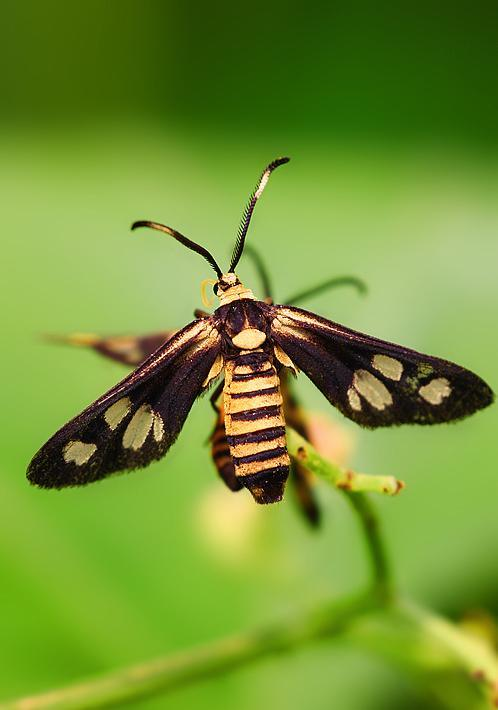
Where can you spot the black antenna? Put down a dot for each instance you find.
(246, 217)
(358, 284)
(183, 240)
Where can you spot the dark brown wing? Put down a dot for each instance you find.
(137, 420)
(127, 349)
(372, 382)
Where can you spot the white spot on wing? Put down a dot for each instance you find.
(388, 366)
(117, 412)
(436, 390)
(78, 452)
(138, 429)
(158, 429)
(354, 399)
(372, 389)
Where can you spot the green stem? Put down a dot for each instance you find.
(170, 672)
(447, 663)
(382, 580)
(458, 670)
(339, 477)
(351, 484)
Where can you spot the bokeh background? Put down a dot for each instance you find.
(118, 111)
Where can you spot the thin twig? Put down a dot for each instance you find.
(170, 672)
(430, 648)
(352, 484)
(381, 572)
(336, 475)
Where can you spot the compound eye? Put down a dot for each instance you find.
(215, 289)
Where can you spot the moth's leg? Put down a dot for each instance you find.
(293, 412)
(300, 478)
(302, 485)
(215, 396)
(358, 284)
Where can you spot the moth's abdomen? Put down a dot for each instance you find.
(255, 425)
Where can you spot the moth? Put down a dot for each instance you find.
(372, 382)
(133, 350)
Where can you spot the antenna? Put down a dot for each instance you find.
(246, 217)
(183, 240)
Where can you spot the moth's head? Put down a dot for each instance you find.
(229, 288)
(227, 284)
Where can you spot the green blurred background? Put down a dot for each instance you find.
(124, 110)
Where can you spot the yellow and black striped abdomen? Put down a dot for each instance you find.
(255, 425)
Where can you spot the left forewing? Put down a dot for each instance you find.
(373, 382)
(137, 420)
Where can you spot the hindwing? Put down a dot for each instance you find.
(126, 349)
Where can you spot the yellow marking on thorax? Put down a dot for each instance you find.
(235, 292)
(249, 339)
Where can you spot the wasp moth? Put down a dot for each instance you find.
(372, 382)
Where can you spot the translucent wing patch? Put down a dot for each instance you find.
(137, 420)
(373, 382)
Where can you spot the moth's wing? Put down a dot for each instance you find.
(126, 349)
(137, 420)
(372, 382)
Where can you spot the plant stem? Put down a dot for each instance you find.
(339, 477)
(170, 672)
(351, 484)
(458, 670)
(382, 581)
(447, 663)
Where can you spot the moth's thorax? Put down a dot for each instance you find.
(231, 289)
(245, 326)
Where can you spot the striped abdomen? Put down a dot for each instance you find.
(255, 425)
